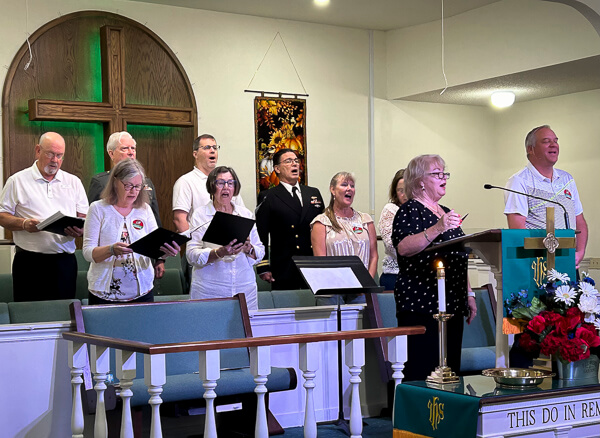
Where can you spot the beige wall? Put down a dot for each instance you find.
(221, 52)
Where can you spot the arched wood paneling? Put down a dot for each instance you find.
(67, 66)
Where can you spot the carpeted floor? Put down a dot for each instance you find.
(380, 427)
(193, 426)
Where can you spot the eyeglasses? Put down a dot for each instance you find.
(51, 155)
(128, 186)
(220, 183)
(290, 161)
(440, 175)
(208, 147)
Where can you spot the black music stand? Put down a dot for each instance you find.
(367, 286)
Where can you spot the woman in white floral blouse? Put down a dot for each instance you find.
(121, 217)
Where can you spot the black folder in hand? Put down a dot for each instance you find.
(150, 244)
(226, 227)
(58, 222)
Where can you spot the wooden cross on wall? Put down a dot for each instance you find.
(550, 243)
(113, 111)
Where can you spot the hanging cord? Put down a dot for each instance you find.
(443, 50)
(289, 56)
(27, 34)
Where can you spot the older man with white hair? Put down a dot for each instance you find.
(121, 145)
(44, 267)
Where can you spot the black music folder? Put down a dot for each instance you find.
(150, 244)
(226, 227)
(58, 222)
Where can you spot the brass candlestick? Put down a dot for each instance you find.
(442, 373)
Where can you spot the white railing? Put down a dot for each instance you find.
(209, 368)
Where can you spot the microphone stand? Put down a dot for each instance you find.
(566, 215)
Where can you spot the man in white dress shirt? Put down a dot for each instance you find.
(44, 267)
(189, 191)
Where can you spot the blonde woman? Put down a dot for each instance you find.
(341, 230)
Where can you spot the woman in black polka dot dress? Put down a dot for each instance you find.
(418, 223)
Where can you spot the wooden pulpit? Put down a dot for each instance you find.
(518, 263)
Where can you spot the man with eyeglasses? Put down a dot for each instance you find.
(44, 266)
(121, 145)
(189, 191)
(284, 214)
(542, 179)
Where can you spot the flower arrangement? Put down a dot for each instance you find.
(563, 320)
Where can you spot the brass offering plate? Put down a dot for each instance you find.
(517, 377)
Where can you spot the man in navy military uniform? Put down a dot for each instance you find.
(284, 213)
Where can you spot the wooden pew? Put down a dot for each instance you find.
(156, 357)
(185, 321)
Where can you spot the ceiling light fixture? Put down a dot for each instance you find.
(503, 99)
(322, 3)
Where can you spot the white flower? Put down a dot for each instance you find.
(597, 324)
(587, 289)
(554, 275)
(588, 304)
(565, 294)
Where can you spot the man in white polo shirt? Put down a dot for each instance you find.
(540, 178)
(44, 267)
(189, 191)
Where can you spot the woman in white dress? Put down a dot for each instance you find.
(223, 271)
(386, 221)
(341, 230)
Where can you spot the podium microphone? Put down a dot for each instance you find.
(566, 215)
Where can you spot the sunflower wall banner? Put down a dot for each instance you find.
(278, 123)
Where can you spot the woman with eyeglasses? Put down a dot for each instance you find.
(343, 231)
(386, 220)
(419, 223)
(121, 217)
(223, 271)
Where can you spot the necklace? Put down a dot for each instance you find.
(344, 216)
(434, 209)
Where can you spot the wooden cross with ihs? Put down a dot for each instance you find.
(550, 243)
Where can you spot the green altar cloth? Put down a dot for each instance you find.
(420, 411)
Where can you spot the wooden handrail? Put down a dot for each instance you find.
(146, 348)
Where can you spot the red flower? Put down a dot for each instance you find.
(588, 336)
(569, 322)
(528, 343)
(551, 344)
(574, 349)
(550, 317)
(537, 325)
(574, 312)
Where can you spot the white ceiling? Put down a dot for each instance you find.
(361, 14)
(555, 80)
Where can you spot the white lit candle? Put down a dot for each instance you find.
(441, 278)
